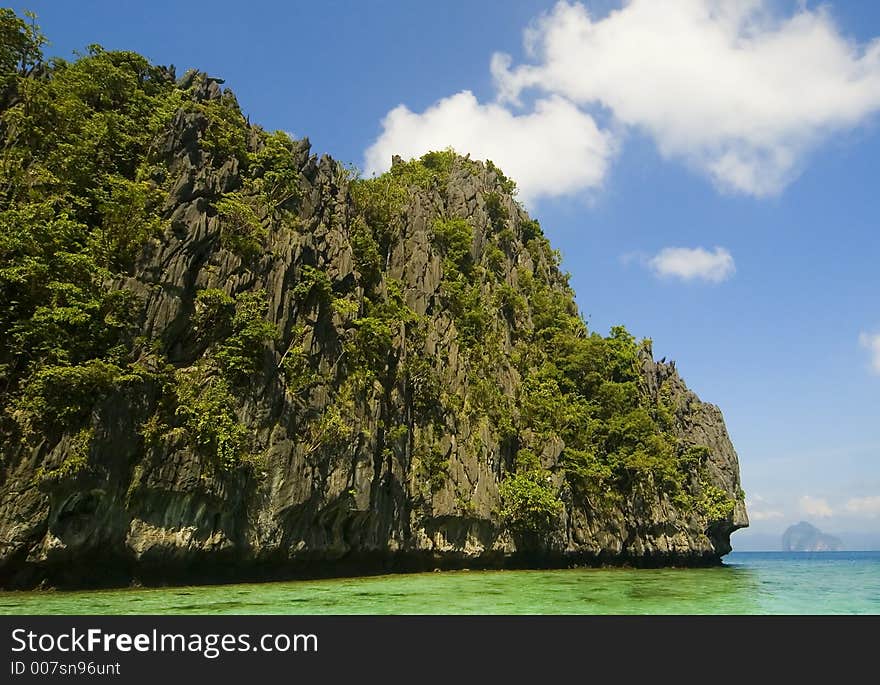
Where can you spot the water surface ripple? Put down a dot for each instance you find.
(748, 583)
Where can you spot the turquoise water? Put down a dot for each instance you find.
(749, 582)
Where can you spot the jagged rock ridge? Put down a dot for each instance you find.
(401, 468)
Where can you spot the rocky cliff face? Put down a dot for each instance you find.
(375, 427)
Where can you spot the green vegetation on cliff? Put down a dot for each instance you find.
(82, 184)
(409, 333)
(579, 389)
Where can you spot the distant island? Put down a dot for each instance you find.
(804, 537)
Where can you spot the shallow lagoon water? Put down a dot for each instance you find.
(748, 583)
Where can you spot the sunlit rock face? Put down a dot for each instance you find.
(375, 429)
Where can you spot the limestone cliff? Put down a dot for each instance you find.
(375, 427)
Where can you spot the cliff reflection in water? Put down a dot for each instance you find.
(751, 583)
(572, 591)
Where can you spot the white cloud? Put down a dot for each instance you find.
(756, 513)
(759, 515)
(555, 150)
(693, 263)
(869, 506)
(815, 506)
(871, 341)
(728, 86)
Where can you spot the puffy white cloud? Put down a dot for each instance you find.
(756, 506)
(693, 263)
(871, 341)
(760, 515)
(815, 506)
(731, 87)
(866, 506)
(555, 150)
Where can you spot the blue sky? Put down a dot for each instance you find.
(695, 147)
